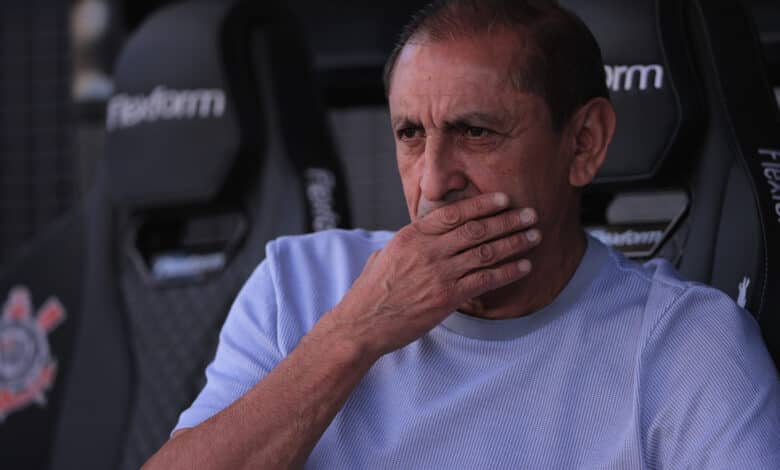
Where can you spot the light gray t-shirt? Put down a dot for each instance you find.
(629, 367)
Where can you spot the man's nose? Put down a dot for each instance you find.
(442, 173)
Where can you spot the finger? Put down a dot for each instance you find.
(453, 215)
(476, 232)
(485, 280)
(494, 252)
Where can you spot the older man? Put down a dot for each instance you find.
(490, 332)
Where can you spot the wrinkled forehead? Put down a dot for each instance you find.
(472, 69)
(497, 55)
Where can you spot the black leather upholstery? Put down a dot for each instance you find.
(651, 83)
(173, 122)
(216, 144)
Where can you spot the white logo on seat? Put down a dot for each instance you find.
(743, 287)
(164, 104)
(628, 237)
(771, 166)
(319, 189)
(627, 77)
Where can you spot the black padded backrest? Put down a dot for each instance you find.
(172, 121)
(350, 43)
(651, 83)
(691, 141)
(169, 261)
(188, 105)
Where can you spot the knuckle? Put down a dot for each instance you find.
(506, 223)
(403, 237)
(502, 223)
(450, 215)
(510, 273)
(514, 221)
(515, 242)
(485, 254)
(484, 278)
(406, 238)
(479, 205)
(502, 275)
(474, 230)
(406, 235)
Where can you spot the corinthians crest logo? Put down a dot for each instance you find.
(27, 369)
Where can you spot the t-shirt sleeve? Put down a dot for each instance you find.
(247, 349)
(711, 394)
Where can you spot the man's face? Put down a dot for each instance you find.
(462, 128)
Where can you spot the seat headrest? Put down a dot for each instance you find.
(649, 79)
(173, 131)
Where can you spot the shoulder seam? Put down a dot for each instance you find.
(619, 265)
(271, 255)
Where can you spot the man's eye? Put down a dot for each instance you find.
(476, 132)
(409, 133)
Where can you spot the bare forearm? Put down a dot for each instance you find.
(278, 422)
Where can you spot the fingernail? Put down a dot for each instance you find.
(501, 199)
(524, 265)
(526, 216)
(533, 235)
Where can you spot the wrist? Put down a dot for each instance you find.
(348, 347)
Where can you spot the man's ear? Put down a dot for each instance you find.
(593, 129)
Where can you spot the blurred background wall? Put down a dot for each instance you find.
(38, 168)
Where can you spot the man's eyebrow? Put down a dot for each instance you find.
(403, 122)
(475, 118)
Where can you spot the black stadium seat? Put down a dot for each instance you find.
(216, 144)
